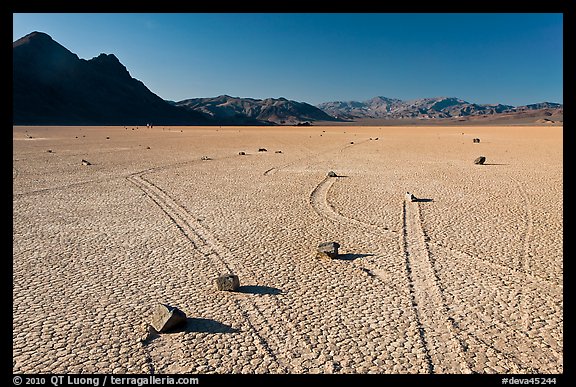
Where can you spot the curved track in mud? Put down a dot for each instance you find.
(443, 348)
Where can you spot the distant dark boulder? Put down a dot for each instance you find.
(480, 160)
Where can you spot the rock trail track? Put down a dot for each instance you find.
(444, 348)
(415, 305)
(442, 336)
(223, 262)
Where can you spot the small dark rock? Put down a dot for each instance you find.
(167, 318)
(147, 147)
(107, 138)
(86, 162)
(228, 282)
(49, 151)
(329, 249)
(476, 140)
(262, 150)
(205, 158)
(410, 197)
(278, 151)
(351, 142)
(332, 174)
(480, 160)
(242, 153)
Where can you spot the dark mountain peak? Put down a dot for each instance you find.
(38, 45)
(34, 37)
(106, 58)
(109, 64)
(52, 86)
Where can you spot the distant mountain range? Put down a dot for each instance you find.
(52, 86)
(236, 110)
(425, 108)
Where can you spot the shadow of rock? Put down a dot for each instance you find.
(494, 164)
(206, 325)
(423, 200)
(149, 336)
(351, 257)
(256, 289)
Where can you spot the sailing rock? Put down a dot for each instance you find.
(228, 282)
(480, 160)
(167, 318)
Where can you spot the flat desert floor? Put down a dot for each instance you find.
(467, 279)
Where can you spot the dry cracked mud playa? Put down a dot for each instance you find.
(467, 279)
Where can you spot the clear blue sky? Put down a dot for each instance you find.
(513, 59)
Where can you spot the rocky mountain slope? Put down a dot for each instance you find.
(52, 86)
(425, 108)
(227, 109)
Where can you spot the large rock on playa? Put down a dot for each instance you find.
(332, 174)
(328, 249)
(480, 160)
(228, 282)
(167, 318)
(477, 140)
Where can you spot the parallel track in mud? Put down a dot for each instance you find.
(440, 333)
(223, 261)
(444, 348)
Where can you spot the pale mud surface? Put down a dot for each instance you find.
(466, 280)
